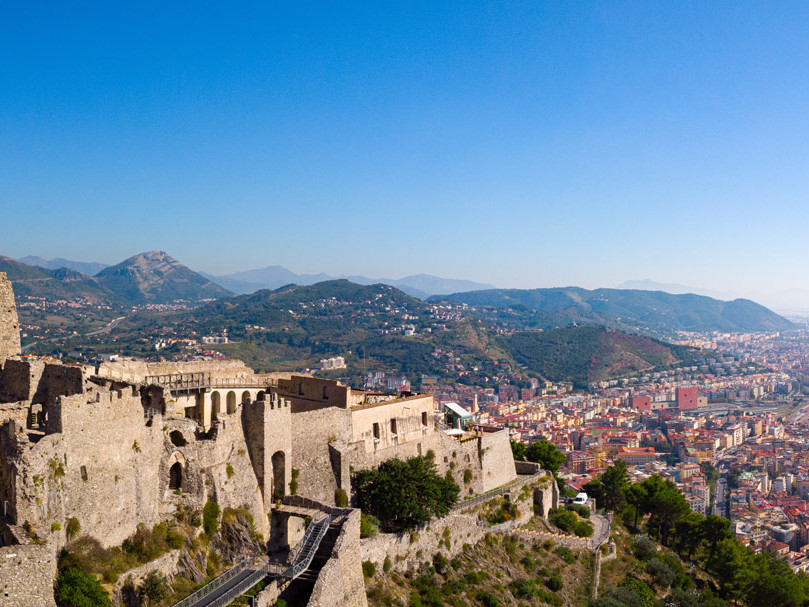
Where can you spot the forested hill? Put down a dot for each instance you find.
(652, 312)
(591, 353)
(380, 328)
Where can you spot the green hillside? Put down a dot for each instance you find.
(652, 312)
(294, 327)
(591, 353)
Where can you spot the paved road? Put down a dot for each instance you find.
(601, 529)
(112, 324)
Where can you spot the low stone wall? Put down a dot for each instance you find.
(268, 596)
(527, 467)
(559, 539)
(448, 534)
(407, 549)
(26, 575)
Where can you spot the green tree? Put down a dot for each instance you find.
(615, 482)
(714, 529)
(404, 494)
(729, 566)
(74, 588)
(690, 532)
(154, 588)
(518, 450)
(667, 508)
(545, 454)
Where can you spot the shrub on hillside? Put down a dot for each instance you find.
(74, 588)
(210, 518)
(583, 529)
(563, 519)
(644, 547)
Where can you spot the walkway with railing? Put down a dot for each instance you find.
(485, 497)
(220, 590)
(244, 575)
(199, 381)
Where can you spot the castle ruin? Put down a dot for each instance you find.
(124, 444)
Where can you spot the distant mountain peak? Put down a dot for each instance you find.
(155, 276)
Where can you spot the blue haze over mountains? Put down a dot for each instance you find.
(156, 277)
(273, 277)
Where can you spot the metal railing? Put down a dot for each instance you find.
(308, 546)
(196, 381)
(241, 587)
(215, 584)
(485, 497)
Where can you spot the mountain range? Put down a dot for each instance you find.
(296, 326)
(155, 277)
(85, 267)
(650, 312)
(270, 277)
(273, 277)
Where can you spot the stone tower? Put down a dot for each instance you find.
(9, 324)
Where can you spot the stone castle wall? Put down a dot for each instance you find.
(136, 370)
(108, 465)
(340, 581)
(38, 381)
(312, 434)
(497, 460)
(447, 535)
(267, 427)
(9, 323)
(26, 575)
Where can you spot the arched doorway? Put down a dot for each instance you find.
(176, 476)
(231, 401)
(278, 476)
(216, 405)
(260, 395)
(245, 397)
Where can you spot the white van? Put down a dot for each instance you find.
(581, 499)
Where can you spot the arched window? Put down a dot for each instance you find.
(231, 402)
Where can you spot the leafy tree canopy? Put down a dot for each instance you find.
(545, 454)
(404, 494)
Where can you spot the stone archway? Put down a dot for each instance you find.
(245, 397)
(231, 401)
(278, 474)
(216, 405)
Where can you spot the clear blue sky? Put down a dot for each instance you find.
(525, 144)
